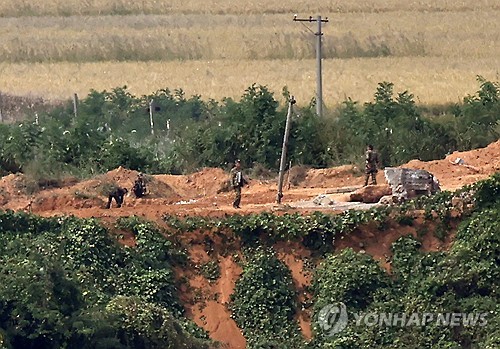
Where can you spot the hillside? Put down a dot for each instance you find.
(206, 292)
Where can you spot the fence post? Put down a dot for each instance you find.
(1, 105)
(75, 104)
(151, 117)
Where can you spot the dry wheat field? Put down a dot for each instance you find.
(216, 49)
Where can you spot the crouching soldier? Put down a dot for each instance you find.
(118, 194)
(139, 187)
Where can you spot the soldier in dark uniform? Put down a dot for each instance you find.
(139, 187)
(237, 181)
(371, 165)
(118, 194)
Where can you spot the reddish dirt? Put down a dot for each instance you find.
(295, 257)
(206, 302)
(478, 164)
(340, 176)
(378, 243)
(198, 194)
(371, 193)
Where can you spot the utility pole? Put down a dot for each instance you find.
(319, 79)
(291, 102)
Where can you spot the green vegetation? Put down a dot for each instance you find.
(465, 279)
(67, 284)
(112, 129)
(264, 302)
(316, 231)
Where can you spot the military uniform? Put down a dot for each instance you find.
(139, 187)
(371, 162)
(118, 194)
(237, 181)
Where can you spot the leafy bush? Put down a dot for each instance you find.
(487, 192)
(477, 120)
(348, 277)
(263, 302)
(151, 326)
(64, 277)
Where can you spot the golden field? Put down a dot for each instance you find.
(434, 49)
(16, 8)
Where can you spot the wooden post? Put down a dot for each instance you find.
(291, 102)
(1, 105)
(75, 104)
(288, 184)
(151, 117)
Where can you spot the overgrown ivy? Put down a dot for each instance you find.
(67, 283)
(263, 302)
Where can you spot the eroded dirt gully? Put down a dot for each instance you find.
(206, 296)
(206, 300)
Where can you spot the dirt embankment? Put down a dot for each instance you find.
(199, 193)
(206, 285)
(453, 174)
(208, 280)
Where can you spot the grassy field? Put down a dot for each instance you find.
(435, 49)
(19, 8)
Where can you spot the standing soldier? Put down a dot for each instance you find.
(237, 181)
(371, 167)
(118, 194)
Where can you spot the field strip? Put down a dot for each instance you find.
(432, 80)
(82, 39)
(16, 8)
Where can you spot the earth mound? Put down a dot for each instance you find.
(100, 185)
(332, 177)
(462, 168)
